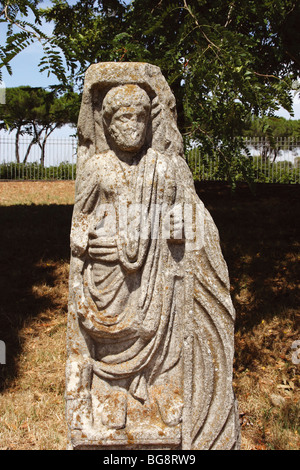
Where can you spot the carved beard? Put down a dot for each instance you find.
(130, 140)
(127, 128)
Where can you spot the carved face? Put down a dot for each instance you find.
(128, 127)
(126, 114)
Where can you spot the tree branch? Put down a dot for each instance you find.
(5, 11)
(229, 16)
(198, 25)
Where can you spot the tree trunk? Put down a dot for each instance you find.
(28, 150)
(43, 146)
(17, 146)
(43, 152)
(35, 140)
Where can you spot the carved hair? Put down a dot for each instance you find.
(123, 95)
(101, 82)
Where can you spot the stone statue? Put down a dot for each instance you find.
(150, 327)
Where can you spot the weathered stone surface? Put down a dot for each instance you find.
(150, 327)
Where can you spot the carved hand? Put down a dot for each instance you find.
(174, 226)
(102, 248)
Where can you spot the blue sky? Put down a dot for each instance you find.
(25, 69)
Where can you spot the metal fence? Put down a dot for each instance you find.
(275, 162)
(27, 161)
(267, 162)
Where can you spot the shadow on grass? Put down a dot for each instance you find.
(260, 239)
(32, 239)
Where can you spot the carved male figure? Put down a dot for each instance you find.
(150, 331)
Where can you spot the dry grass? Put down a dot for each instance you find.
(260, 241)
(34, 289)
(38, 193)
(32, 405)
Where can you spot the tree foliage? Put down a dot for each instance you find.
(225, 60)
(278, 127)
(274, 134)
(22, 32)
(37, 112)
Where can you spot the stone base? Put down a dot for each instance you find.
(143, 427)
(79, 443)
(127, 439)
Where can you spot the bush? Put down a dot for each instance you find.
(35, 171)
(250, 169)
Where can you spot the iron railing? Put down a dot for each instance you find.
(271, 162)
(277, 161)
(56, 161)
